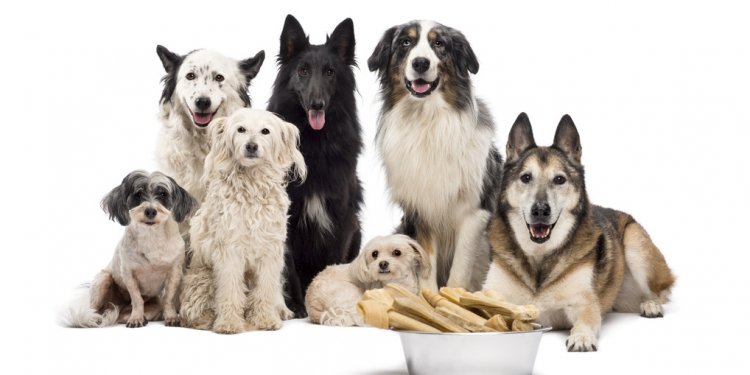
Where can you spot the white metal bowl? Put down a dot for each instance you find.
(471, 353)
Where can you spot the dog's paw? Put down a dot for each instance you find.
(136, 322)
(651, 309)
(229, 327)
(172, 321)
(298, 310)
(266, 322)
(581, 343)
(285, 313)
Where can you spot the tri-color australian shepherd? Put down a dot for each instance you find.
(314, 90)
(435, 139)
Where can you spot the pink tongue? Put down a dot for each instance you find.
(317, 119)
(420, 87)
(202, 118)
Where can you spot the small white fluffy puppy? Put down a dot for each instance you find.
(145, 271)
(234, 282)
(333, 294)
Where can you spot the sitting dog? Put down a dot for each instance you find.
(234, 282)
(552, 248)
(334, 292)
(145, 271)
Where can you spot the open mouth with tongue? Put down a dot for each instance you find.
(421, 88)
(316, 118)
(540, 233)
(202, 119)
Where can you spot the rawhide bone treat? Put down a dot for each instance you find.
(451, 310)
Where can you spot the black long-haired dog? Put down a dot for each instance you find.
(314, 90)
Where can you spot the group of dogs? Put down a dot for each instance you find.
(255, 218)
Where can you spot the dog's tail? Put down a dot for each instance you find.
(79, 314)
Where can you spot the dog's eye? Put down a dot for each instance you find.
(525, 178)
(138, 195)
(397, 253)
(375, 254)
(329, 72)
(303, 71)
(190, 76)
(406, 42)
(439, 43)
(219, 78)
(241, 129)
(559, 180)
(265, 131)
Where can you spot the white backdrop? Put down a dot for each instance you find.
(659, 92)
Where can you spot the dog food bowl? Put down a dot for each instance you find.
(493, 353)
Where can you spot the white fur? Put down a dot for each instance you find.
(333, 294)
(315, 211)
(235, 278)
(183, 146)
(423, 49)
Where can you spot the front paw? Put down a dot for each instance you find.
(285, 313)
(136, 322)
(651, 309)
(172, 321)
(266, 321)
(298, 310)
(581, 343)
(229, 327)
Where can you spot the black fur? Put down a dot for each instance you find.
(330, 153)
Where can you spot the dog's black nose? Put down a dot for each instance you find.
(203, 103)
(317, 105)
(251, 147)
(383, 265)
(540, 210)
(150, 213)
(420, 64)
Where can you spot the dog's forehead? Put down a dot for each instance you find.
(544, 160)
(250, 117)
(159, 180)
(206, 61)
(416, 29)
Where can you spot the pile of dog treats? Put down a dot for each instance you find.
(450, 310)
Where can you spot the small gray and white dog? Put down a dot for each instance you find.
(141, 280)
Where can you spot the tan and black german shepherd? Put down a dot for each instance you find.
(552, 248)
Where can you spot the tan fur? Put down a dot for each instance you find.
(332, 296)
(234, 282)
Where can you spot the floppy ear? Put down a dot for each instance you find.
(115, 203)
(423, 263)
(220, 156)
(293, 40)
(184, 203)
(358, 268)
(169, 59)
(567, 139)
(464, 55)
(520, 139)
(251, 66)
(342, 41)
(290, 155)
(381, 56)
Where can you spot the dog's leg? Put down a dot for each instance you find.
(293, 295)
(648, 279)
(471, 246)
(196, 298)
(229, 276)
(173, 281)
(136, 318)
(101, 291)
(266, 302)
(586, 319)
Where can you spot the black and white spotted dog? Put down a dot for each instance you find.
(435, 139)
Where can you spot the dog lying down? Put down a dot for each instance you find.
(332, 296)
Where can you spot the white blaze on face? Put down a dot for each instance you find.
(423, 50)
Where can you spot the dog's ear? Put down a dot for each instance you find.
(342, 41)
(520, 139)
(184, 203)
(463, 54)
(567, 139)
(293, 40)
(116, 202)
(251, 66)
(358, 269)
(220, 155)
(290, 155)
(170, 60)
(422, 260)
(381, 56)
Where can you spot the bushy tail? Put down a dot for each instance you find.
(79, 314)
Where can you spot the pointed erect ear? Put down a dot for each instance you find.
(382, 54)
(251, 66)
(169, 60)
(293, 39)
(567, 139)
(342, 42)
(520, 139)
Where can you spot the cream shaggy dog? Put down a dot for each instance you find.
(198, 87)
(333, 294)
(234, 282)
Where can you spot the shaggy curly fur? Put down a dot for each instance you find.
(333, 294)
(234, 282)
